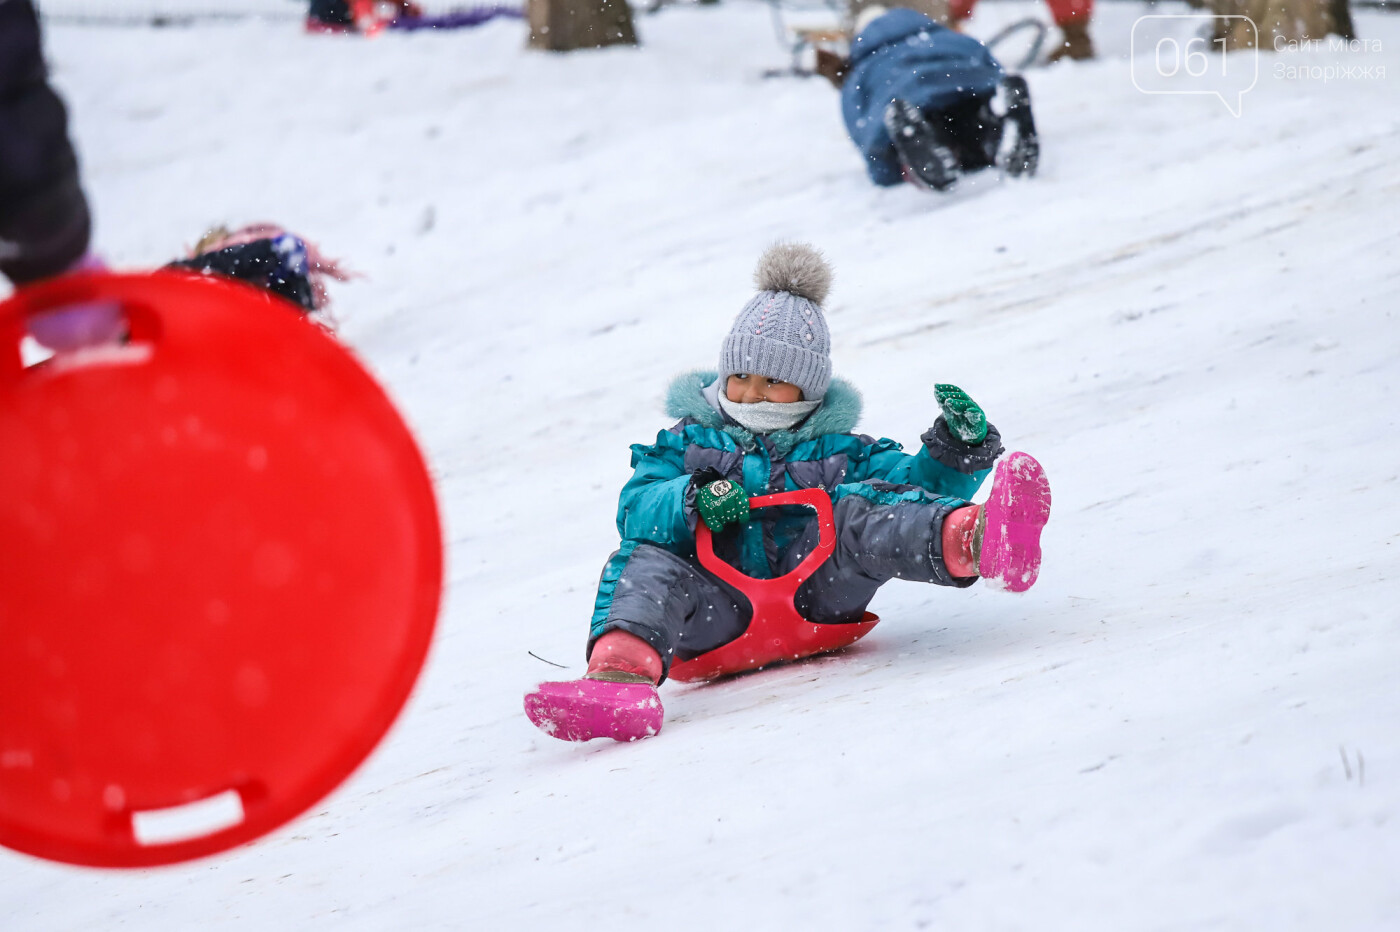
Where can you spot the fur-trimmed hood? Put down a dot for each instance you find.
(839, 412)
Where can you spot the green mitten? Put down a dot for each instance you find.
(966, 420)
(722, 502)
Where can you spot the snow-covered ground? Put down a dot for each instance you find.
(1193, 720)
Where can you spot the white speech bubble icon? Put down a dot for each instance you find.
(1169, 57)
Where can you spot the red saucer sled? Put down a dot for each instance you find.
(777, 632)
(222, 566)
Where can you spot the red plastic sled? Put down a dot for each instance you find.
(222, 566)
(777, 632)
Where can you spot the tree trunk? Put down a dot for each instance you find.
(564, 25)
(1341, 19)
(1283, 21)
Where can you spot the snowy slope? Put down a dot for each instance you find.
(1189, 318)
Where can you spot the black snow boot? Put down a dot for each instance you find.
(925, 148)
(1021, 155)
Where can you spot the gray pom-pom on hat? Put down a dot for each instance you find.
(781, 333)
(795, 268)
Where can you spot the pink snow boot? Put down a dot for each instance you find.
(1013, 517)
(580, 710)
(615, 699)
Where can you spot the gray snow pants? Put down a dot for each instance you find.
(681, 610)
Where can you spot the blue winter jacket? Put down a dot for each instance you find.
(907, 55)
(657, 504)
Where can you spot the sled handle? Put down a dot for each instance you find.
(147, 325)
(142, 323)
(817, 499)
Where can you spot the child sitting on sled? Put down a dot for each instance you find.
(771, 419)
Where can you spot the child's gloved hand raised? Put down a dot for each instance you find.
(965, 418)
(719, 501)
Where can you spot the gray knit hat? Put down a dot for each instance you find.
(781, 333)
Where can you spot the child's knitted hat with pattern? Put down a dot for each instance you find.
(781, 333)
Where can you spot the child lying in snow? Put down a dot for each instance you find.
(266, 255)
(773, 419)
(917, 99)
(261, 254)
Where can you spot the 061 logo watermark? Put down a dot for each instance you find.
(1167, 60)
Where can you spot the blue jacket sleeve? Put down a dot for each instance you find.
(944, 465)
(653, 505)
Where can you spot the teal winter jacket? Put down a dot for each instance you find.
(657, 504)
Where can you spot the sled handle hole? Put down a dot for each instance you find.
(32, 352)
(79, 325)
(74, 321)
(79, 334)
(189, 821)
